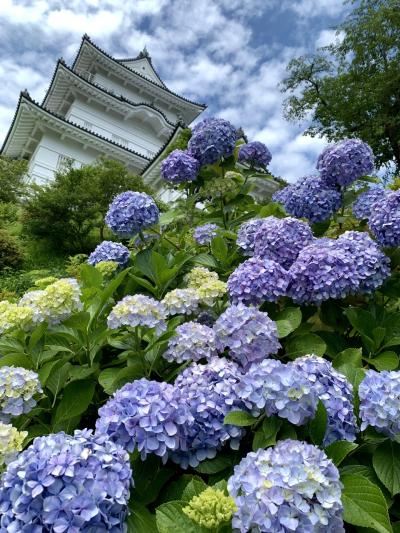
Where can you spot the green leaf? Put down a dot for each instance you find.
(76, 399)
(308, 343)
(195, 487)
(272, 208)
(17, 359)
(219, 248)
(355, 376)
(288, 320)
(386, 462)
(385, 361)
(239, 418)
(140, 520)
(57, 378)
(205, 260)
(339, 450)
(47, 368)
(171, 519)
(78, 320)
(317, 426)
(107, 378)
(350, 356)
(90, 276)
(170, 216)
(364, 323)
(213, 466)
(266, 435)
(150, 478)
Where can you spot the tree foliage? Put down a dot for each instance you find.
(12, 179)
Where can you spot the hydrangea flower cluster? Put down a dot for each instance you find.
(55, 303)
(149, 416)
(181, 301)
(278, 389)
(110, 251)
(205, 234)
(362, 207)
(13, 316)
(211, 508)
(257, 280)
(179, 167)
(138, 310)
(131, 212)
(246, 235)
(249, 334)
(344, 162)
(11, 441)
(192, 341)
(210, 391)
(67, 483)
(255, 153)
(379, 394)
(335, 392)
(212, 139)
(282, 239)
(384, 220)
(310, 198)
(292, 486)
(207, 284)
(107, 268)
(18, 388)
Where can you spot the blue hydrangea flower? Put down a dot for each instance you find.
(292, 486)
(246, 235)
(205, 234)
(310, 198)
(212, 139)
(192, 341)
(281, 195)
(18, 388)
(379, 395)
(210, 390)
(256, 281)
(110, 251)
(149, 416)
(281, 239)
(179, 167)
(131, 212)
(335, 392)
(344, 162)
(362, 207)
(384, 220)
(249, 334)
(76, 483)
(278, 389)
(254, 153)
(138, 310)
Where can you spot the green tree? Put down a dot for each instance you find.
(13, 173)
(69, 212)
(352, 88)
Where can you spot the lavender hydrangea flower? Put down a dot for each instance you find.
(292, 486)
(110, 251)
(138, 310)
(362, 207)
(181, 301)
(379, 395)
(179, 167)
(344, 162)
(212, 139)
(281, 239)
(257, 280)
(67, 483)
(278, 389)
(281, 195)
(384, 220)
(211, 393)
(246, 235)
(249, 334)
(18, 388)
(205, 234)
(335, 392)
(149, 416)
(254, 153)
(131, 212)
(192, 341)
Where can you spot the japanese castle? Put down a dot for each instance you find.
(99, 106)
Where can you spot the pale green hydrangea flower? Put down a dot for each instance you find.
(11, 441)
(106, 268)
(207, 284)
(211, 508)
(14, 316)
(181, 301)
(42, 283)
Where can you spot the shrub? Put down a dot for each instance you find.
(10, 251)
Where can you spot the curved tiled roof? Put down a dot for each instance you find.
(163, 147)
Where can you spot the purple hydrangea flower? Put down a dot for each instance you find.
(205, 234)
(281, 195)
(246, 235)
(384, 220)
(310, 198)
(192, 341)
(149, 416)
(281, 239)
(67, 483)
(212, 139)
(18, 388)
(292, 486)
(179, 167)
(344, 162)
(379, 395)
(110, 251)
(131, 212)
(249, 334)
(278, 389)
(335, 392)
(362, 207)
(254, 153)
(211, 393)
(256, 281)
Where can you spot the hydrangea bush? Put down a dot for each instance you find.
(233, 367)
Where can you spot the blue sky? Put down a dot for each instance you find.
(230, 54)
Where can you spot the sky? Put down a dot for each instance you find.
(229, 54)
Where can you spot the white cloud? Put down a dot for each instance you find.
(327, 37)
(315, 8)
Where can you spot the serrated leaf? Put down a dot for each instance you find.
(195, 487)
(57, 378)
(239, 418)
(385, 361)
(213, 466)
(288, 320)
(171, 519)
(339, 450)
(355, 376)
(350, 356)
(386, 462)
(266, 435)
(140, 520)
(76, 399)
(317, 425)
(305, 344)
(219, 248)
(17, 359)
